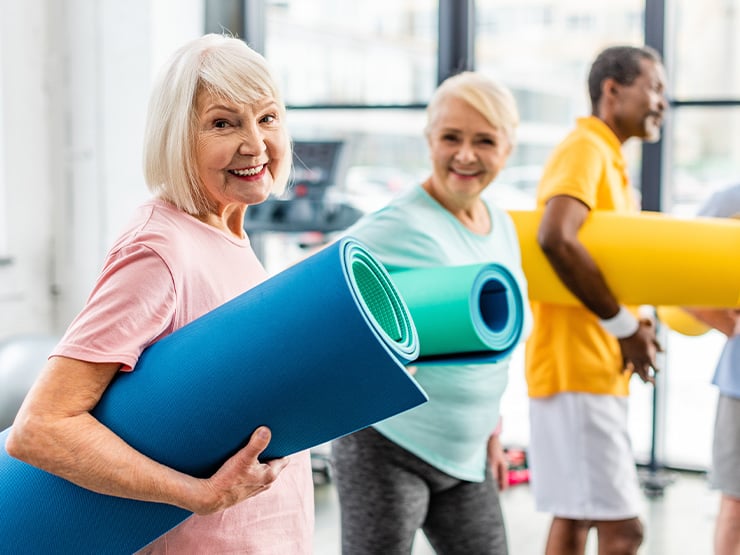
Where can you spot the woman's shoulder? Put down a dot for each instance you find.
(416, 205)
(404, 209)
(158, 224)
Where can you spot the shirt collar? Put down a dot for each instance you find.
(597, 126)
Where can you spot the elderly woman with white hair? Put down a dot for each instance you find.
(438, 467)
(215, 143)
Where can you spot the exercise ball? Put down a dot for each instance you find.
(21, 359)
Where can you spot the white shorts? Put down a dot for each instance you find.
(580, 457)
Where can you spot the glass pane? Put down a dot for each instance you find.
(3, 214)
(376, 153)
(705, 156)
(689, 369)
(338, 52)
(542, 51)
(706, 50)
(384, 151)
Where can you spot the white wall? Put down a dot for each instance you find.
(74, 78)
(3, 210)
(26, 176)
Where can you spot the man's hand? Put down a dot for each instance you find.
(639, 351)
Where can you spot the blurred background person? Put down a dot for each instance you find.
(579, 359)
(725, 471)
(439, 467)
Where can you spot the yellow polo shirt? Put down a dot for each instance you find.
(568, 351)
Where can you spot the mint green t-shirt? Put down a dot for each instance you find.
(450, 431)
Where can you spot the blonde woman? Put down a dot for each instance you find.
(438, 467)
(215, 143)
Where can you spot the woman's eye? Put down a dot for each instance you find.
(269, 118)
(220, 124)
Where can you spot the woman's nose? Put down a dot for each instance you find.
(252, 143)
(465, 153)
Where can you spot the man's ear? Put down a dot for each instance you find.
(609, 88)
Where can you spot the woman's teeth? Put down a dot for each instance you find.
(248, 171)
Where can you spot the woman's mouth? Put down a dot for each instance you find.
(465, 173)
(248, 172)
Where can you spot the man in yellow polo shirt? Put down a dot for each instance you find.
(579, 359)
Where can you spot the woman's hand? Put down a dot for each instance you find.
(497, 461)
(725, 320)
(240, 477)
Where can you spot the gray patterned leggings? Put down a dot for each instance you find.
(386, 494)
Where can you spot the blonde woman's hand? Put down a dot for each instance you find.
(240, 477)
(498, 463)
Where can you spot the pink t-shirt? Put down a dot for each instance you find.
(164, 271)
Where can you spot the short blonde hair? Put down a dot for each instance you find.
(494, 101)
(224, 67)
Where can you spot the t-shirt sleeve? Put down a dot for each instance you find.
(575, 170)
(131, 306)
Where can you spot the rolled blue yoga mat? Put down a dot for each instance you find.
(315, 352)
(463, 314)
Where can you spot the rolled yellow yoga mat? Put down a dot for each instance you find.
(647, 258)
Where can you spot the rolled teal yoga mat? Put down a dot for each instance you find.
(315, 352)
(463, 314)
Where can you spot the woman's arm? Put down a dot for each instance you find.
(722, 319)
(55, 431)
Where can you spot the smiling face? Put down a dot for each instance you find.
(239, 148)
(639, 107)
(466, 150)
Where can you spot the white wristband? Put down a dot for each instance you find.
(622, 325)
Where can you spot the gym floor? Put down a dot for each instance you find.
(678, 522)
